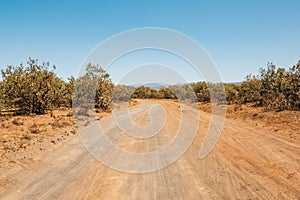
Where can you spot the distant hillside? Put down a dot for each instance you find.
(155, 86)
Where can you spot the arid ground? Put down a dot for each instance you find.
(256, 157)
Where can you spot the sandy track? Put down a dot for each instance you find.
(247, 163)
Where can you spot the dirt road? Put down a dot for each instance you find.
(246, 163)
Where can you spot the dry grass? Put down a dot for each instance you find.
(24, 132)
(17, 122)
(60, 123)
(34, 129)
(23, 136)
(285, 123)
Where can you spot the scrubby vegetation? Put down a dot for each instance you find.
(273, 89)
(93, 90)
(35, 88)
(143, 92)
(122, 93)
(31, 89)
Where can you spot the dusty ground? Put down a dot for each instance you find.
(250, 161)
(284, 124)
(22, 136)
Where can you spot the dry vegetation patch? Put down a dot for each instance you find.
(284, 123)
(20, 133)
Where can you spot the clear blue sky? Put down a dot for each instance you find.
(240, 36)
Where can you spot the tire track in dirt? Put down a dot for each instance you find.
(246, 163)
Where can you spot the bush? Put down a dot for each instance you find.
(93, 89)
(31, 89)
(274, 88)
(122, 93)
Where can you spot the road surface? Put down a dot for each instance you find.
(246, 163)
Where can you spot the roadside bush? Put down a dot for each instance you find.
(250, 91)
(93, 89)
(143, 92)
(202, 91)
(122, 93)
(31, 89)
(183, 92)
(274, 88)
(232, 93)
